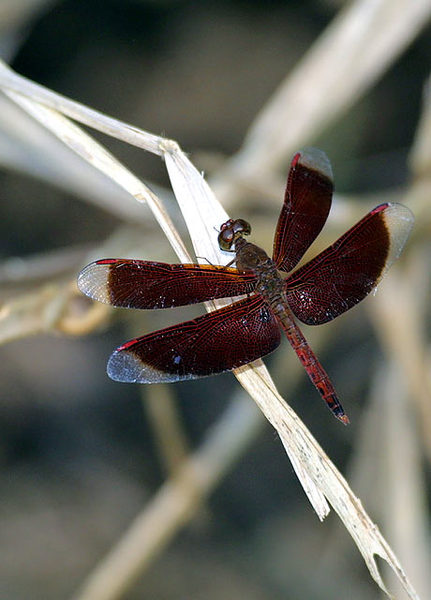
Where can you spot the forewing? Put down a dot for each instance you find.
(215, 342)
(143, 284)
(307, 201)
(344, 273)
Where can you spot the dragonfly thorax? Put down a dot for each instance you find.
(253, 259)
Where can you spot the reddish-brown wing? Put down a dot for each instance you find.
(141, 284)
(344, 273)
(218, 341)
(307, 201)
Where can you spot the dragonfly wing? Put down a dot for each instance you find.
(307, 201)
(215, 342)
(344, 273)
(143, 284)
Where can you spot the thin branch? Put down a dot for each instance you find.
(28, 147)
(357, 47)
(405, 515)
(163, 414)
(320, 479)
(175, 503)
(42, 266)
(420, 154)
(400, 330)
(79, 112)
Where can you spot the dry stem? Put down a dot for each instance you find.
(357, 35)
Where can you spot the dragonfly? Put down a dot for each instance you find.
(276, 294)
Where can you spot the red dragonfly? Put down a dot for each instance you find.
(323, 288)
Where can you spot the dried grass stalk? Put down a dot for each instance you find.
(322, 482)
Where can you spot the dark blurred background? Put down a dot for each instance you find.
(77, 451)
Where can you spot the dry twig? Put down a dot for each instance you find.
(322, 482)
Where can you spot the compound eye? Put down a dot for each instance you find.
(225, 239)
(241, 227)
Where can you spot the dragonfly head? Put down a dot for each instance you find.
(231, 231)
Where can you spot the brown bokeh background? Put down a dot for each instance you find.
(79, 456)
